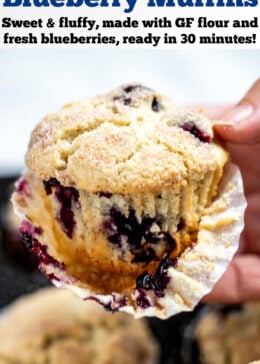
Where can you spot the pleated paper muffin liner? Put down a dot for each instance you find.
(176, 285)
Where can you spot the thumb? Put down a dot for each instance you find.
(242, 123)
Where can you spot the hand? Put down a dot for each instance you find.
(240, 130)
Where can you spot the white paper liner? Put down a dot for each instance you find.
(197, 270)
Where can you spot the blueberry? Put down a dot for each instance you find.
(22, 187)
(131, 88)
(157, 282)
(144, 280)
(198, 133)
(127, 92)
(142, 300)
(28, 233)
(49, 184)
(139, 235)
(27, 240)
(65, 196)
(156, 105)
(127, 100)
(116, 239)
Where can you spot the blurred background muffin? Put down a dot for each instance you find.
(229, 335)
(54, 326)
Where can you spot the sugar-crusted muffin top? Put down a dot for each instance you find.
(129, 140)
(55, 326)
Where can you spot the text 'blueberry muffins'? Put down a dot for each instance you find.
(54, 326)
(115, 199)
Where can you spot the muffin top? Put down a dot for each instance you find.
(129, 140)
(54, 326)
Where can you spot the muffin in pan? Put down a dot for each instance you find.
(122, 202)
(55, 326)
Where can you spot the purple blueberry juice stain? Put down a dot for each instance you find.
(27, 227)
(139, 236)
(22, 186)
(174, 262)
(157, 282)
(142, 300)
(122, 302)
(65, 196)
(198, 133)
(28, 232)
(52, 277)
(111, 306)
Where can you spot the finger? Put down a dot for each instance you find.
(241, 124)
(250, 242)
(240, 283)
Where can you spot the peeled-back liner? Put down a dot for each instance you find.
(196, 270)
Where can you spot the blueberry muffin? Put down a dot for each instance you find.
(114, 196)
(55, 326)
(230, 335)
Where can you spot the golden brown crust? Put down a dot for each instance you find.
(54, 326)
(101, 144)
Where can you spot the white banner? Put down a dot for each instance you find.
(163, 24)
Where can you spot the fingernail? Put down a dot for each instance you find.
(236, 115)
